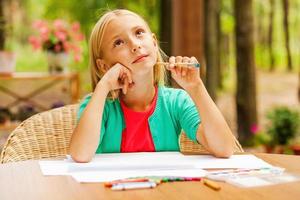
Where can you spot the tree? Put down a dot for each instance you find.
(286, 32)
(270, 35)
(166, 26)
(2, 25)
(166, 31)
(211, 46)
(299, 86)
(219, 45)
(245, 67)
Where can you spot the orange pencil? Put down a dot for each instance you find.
(213, 185)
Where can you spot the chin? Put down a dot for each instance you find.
(144, 68)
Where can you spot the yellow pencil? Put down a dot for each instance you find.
(213, 185)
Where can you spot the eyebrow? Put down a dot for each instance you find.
(133, 28)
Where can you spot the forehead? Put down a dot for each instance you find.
(125, 21)
(121, 24)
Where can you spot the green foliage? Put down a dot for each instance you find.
(87, 12)
(84, 11)
(227, 18)
(284, 124)
(262, 138)
(29, 60)
(259, 137)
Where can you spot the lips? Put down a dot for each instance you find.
(140, 58)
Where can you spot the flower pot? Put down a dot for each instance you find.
(7, 62)
(269, 149)
(296, 149)
(57, 62)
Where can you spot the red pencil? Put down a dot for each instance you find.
(111, 183)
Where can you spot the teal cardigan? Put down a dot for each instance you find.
(174, 111)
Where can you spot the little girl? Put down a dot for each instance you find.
(130, 109)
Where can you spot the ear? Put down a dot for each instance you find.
(103, 67)
(154, 39)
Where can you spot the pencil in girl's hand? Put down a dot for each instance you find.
(167, 64)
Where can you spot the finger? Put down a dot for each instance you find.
(190, 68)
(123, 66)
(125, 86)
(194, 60)
(178, 59)
(184, 71)
(178, 70)
(173, 70)
(185, 59)
(190, 72)
(123, 76)
(125, 73)
(171, 61)
(129, 76)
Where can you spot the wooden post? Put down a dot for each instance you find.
(187, 30)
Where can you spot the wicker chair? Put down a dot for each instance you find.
(43, 135)
(47, 135)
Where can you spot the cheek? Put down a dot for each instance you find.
(152, 48)
(154, 52)
(118, 55)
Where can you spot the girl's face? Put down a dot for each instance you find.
(128, 41)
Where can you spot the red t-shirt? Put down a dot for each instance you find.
(136, 137)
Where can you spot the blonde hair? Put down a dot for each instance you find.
(95, 51)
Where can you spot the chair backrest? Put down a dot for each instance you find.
(47, 135)
(43, 135)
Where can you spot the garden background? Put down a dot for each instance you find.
(249, 53)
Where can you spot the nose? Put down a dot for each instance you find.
(136, 48)
(135, 45)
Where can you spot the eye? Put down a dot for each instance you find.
(118, 42)
(139, 32)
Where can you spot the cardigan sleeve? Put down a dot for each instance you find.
(187, 114)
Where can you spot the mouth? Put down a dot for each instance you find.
(140, 58)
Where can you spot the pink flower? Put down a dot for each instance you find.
(59, 24)
(44, 30)
(76, 49)
(57, 48)
(66, 46)
(60, 35)
(44, 36)
(76, 27)
(38, 24)
(35, 42)
(79, 37)
(254, 129)
(77, 57)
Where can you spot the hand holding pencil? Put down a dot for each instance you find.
(184, 70)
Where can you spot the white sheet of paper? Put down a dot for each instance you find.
(105, 167)
(235, 161)
(170, 160)
(103, 176)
